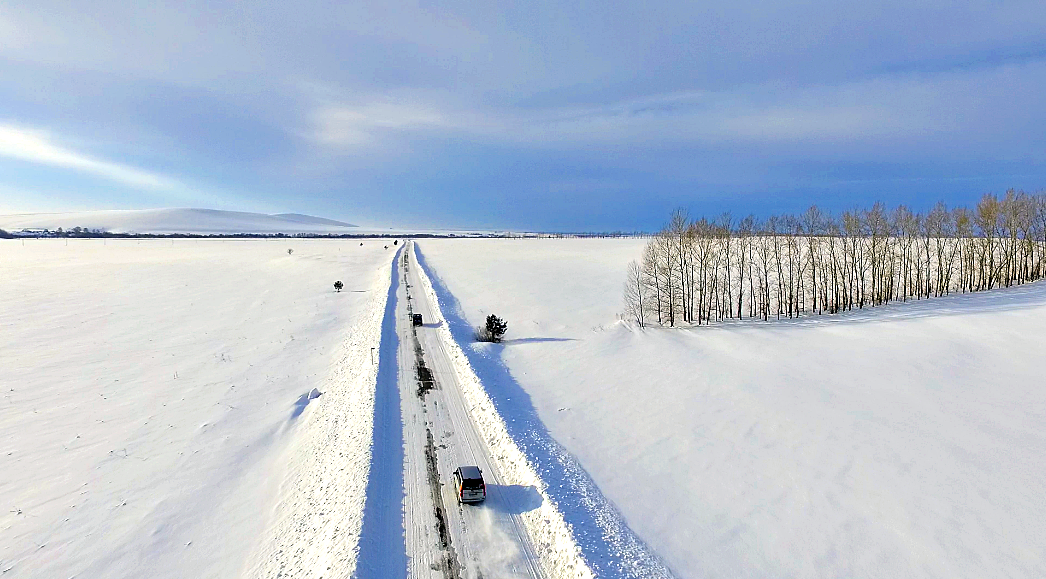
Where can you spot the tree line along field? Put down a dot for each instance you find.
(703, 270)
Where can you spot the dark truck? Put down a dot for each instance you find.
(468, 481)
(416, 319)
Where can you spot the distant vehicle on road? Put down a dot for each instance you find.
(468, 481)
(416, 319)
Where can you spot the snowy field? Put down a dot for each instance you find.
(155, 419)
(904, 441)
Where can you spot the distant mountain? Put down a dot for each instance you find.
(299, 218)
(202, 221)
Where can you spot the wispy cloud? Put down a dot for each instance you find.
(703, 118)
(900, 112)
(38, 147)
(345, 125)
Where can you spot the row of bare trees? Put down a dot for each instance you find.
(698, 271)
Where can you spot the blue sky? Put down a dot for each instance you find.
(535, 115)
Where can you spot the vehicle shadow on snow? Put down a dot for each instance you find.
(514, 499)
(383, 549)
(607, 544)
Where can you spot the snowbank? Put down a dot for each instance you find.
(318, 517)
(904, 441)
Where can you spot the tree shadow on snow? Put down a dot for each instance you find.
(1014, 298)
(535, 340)
(608, 545)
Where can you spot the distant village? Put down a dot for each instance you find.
(40, 232)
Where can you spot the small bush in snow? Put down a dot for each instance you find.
(290, 251)
(338, 285)
(493, 331)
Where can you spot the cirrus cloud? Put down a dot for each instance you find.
(35, 146)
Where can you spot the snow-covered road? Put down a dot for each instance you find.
(448, 422)
(487, 539)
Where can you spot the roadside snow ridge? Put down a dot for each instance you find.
(315, 527)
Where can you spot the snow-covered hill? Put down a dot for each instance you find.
(900, 441)
(309, 219)
(202, 221)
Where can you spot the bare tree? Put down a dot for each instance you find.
(744, 245)
(634, 294)
(652, 280)
(699, 271)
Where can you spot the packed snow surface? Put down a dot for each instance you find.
(198, 221)
(907, 440)
(186, 408)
